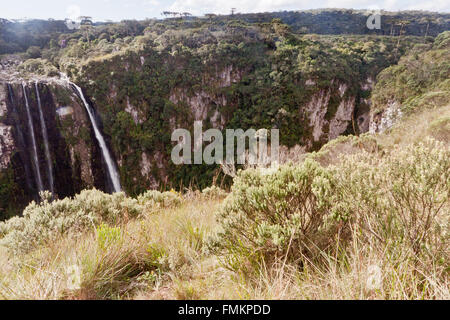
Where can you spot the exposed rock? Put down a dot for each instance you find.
(227, 76)
(134, 112)
(368, 85)
(7, 145)
(64, 111)
(342, 88)
(317, 109)
(342, 118)
(200, 104)
(384, 120)
(6, 138)
(218, 120)
(146, 167)
(80, 150)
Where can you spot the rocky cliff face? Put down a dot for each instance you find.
(384, 120)
(141, 96)
(74, 157)
(335, 111)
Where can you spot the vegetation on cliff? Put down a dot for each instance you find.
(232, 75)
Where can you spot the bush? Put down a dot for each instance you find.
(47, 220)
(39, 66)
(34, 52)
(107, 236)
(399, 202)
(267, 217)
(153, 199)
(440, 129)
(214, 192)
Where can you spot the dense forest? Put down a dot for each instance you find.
(19, 36)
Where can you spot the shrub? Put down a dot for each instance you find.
(47, 220)
(39, 66)
(153, 199)
(400, 200)
(214, 192)
(34, 52)
(107, 235)
(440, 129)
(272, 216)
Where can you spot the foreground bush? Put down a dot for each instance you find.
(271, 216)
(154, 200)
(399, 202)
(47, 220)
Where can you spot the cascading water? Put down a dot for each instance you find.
(45, 136)
(20, 138)
(113, 174)
(33, 141)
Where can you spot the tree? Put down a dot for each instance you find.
(426, 20)
(402, 23)
(34, 52)
(84, 20)
(210, 16)
(86, 26)
(171, 13)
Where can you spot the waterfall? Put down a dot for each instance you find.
(45, 136)
(21, 139)
(33, 141)
(113, 174)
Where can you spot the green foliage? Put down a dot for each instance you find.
(39, 66)
(419, 80)
(157, 200)
(47, 220)
(10, 193)
(34, 52)
(269, 68)
(252, 72)
(19, 36)
(273, 216)
(399, 200)
(107, 236)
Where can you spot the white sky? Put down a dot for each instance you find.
(140, 9)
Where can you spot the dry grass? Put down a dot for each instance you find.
(416, 127)
(169, 240)
(126, 270)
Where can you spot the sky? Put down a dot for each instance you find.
(116, 10)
